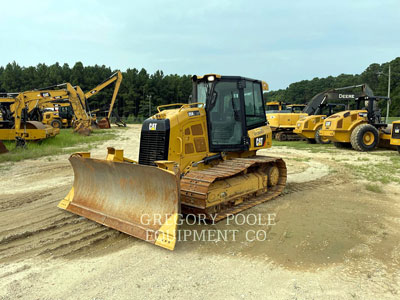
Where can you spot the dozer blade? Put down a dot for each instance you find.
(141, 201)
(3, 148)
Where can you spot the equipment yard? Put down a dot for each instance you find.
(333, 234)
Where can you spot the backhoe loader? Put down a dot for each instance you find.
(198, 158)
(321, 106)
(360, 129)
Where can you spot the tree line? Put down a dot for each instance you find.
(140, 92)
(376, 76)
(139, 95)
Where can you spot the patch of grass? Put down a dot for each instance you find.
(302, 145)
(64, 143)
(6, 167)
(305, 159)
(374, 188)
(383, 172)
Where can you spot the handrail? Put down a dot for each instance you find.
(183, 105)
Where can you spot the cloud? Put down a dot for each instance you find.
(280, 42)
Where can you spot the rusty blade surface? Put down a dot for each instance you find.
(135, 199)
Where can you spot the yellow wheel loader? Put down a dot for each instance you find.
(198, 158)
(321, 106)
(395, 136)
(360, 129)
(284, 122)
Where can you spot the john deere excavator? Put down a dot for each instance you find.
(199, 158)
(322, 106)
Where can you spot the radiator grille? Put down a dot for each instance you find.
(153, 146)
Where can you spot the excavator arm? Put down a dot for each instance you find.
(117, 78)
(320, 100)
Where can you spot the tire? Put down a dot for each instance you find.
(311, 141)
(319, 139)
(364, 137)
(342, 145)
(56, 123)
(283, 137)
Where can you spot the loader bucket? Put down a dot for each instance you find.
(142, 201)
(104, 123)
(3, 148)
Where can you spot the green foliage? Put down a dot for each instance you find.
(303, 91)
(137, 87)
(64, 143)
(374, 188)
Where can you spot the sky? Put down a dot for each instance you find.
(278, 41)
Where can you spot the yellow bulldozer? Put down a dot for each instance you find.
(360, 129)
(198, 158)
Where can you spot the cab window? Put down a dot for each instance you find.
(254, 106)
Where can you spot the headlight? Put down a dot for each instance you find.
(327, 123)
(298, 125)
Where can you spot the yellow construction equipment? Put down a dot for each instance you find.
(323, 105)
(395, 135)
(197, 158)
(17, 125)
(275, 106)
(360, 129)
(284, 122)
(57, 115)
(117, 78)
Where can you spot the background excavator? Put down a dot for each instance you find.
(117, 78)
(195, 158)
(17, 126)
(323, 105)
(64, 116)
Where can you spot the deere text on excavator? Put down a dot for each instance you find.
(198, 158)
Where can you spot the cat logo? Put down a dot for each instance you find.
(153, 126)
(259, 142)
(45, 94)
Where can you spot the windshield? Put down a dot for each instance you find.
(203, 88)
(273, 107)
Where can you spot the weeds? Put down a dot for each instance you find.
(64, 143)
(374, 188)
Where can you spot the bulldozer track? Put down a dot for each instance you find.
(195, 185)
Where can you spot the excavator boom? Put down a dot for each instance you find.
(117, 78)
